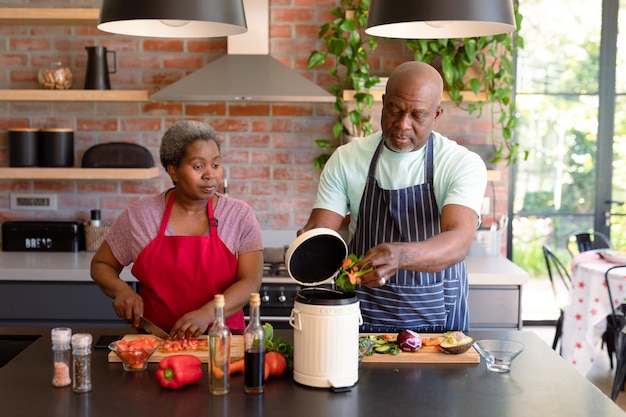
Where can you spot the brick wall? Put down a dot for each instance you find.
(267, 147)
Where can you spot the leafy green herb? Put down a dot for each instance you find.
(346, 279)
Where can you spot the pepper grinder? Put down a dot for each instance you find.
(95, 218)
(81, 362)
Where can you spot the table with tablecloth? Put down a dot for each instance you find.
(584, 320)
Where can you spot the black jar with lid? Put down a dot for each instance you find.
(23, 147)
(56, 148)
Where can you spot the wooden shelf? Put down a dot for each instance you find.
(79, 173)
(74, 95)
(50, 16)
(348, 95)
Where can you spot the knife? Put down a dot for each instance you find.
(152, 328)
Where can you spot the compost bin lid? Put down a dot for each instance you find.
(316, 256)
(325, 297)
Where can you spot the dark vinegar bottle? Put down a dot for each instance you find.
(254, 349)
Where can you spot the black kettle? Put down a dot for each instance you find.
(97, 76)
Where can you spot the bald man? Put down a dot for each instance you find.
(414, 199)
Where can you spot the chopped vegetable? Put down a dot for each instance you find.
(179, 370)
(455, 342)
(135, 352)
(180, 345)
(382, 343)
(142, 342)
(347, 277)
(366, 347)
(432, 340)
(409, 341)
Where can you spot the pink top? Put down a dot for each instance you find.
(139, 224)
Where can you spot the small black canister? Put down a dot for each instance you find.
(23, 147)
(56, 148)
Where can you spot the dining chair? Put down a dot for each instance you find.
(616, 325)
(583, 241)
(561, 283)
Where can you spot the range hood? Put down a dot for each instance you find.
(247, 72)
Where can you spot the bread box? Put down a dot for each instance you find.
(43, 236)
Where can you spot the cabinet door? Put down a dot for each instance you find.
(73, 304)
(495, 307)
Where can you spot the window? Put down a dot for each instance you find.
(572, 118)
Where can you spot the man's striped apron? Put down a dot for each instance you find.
(421, 301)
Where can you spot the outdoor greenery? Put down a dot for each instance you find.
(347, 46)
(557, 101)
(492, 59)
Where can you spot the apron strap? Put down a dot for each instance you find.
(212, 219)
(166, 213)
(168, 210)
(429, 165)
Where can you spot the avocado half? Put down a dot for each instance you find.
(456, 342)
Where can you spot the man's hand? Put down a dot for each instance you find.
(385, 259)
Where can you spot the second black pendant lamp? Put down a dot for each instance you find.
(173, 18)
(434, 19)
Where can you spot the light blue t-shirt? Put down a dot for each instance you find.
(460, 176)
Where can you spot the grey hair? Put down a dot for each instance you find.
(181, 134)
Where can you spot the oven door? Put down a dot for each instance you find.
(277, 300)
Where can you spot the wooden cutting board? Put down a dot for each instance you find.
(236, 350)
(426, 354)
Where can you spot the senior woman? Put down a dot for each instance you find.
(187, 244)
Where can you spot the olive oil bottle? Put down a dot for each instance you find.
(219, 350)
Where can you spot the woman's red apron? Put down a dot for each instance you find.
(178, 274)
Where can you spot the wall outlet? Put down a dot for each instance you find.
(33, 201)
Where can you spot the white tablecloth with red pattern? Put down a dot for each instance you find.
(585, 315)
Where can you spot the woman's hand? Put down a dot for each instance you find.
(191, 325)
(128, 305)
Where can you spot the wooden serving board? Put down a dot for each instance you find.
(426, 354)
(236, 350)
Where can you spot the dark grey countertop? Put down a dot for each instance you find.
(541, 383)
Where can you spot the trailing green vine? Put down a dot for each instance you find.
(348, 46)
(494, 58)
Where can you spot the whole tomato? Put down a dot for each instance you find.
(276, 363)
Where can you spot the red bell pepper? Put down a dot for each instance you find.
(179, 370)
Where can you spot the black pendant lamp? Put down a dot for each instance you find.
(173, 18)
(434, 19)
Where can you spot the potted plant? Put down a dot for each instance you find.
(483, 66)
(348, 47)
